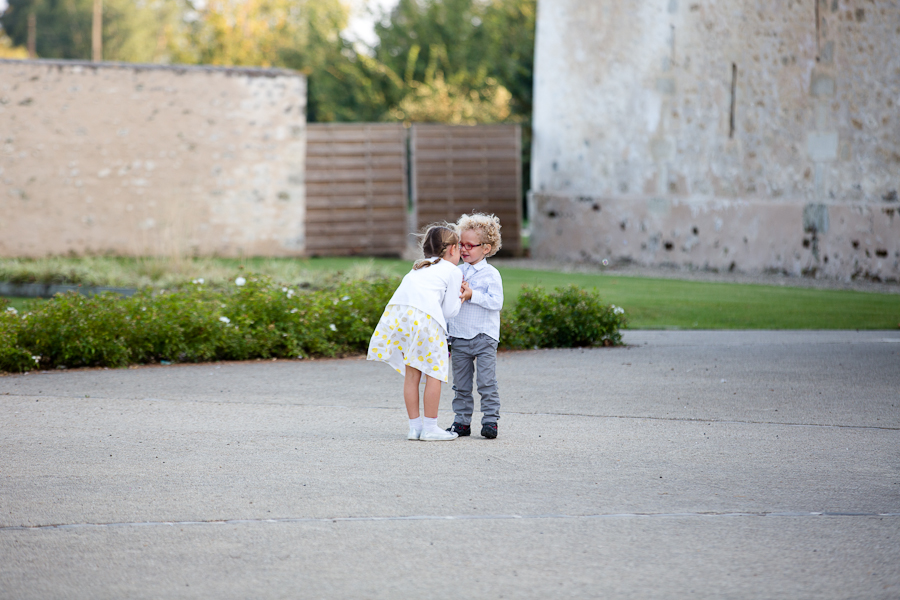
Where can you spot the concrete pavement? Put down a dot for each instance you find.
(688, 464)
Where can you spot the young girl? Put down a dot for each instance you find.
(411, 335)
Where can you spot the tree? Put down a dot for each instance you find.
(509, 27)
(132, 32)
(303, 35)
(64, 26)
(263, 33)
(440, 101)
(418, 34)
(469, 45)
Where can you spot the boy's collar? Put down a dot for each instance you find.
(479, 265)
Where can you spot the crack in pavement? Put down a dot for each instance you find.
(700, 420)
(511, 412)
(688, 515)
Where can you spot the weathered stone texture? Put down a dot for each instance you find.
(139, 159)
(746, 110)
(832, 240)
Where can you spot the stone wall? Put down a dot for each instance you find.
(738, 134)
(148, 160)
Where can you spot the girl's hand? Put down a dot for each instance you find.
(465, 292)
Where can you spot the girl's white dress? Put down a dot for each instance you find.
(413, 328)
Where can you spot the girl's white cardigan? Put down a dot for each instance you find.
(433, 290)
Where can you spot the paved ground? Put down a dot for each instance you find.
(687, 465)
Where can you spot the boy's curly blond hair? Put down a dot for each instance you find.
(487, 227)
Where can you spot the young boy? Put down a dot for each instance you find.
(475, 331)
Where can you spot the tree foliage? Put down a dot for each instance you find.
(263, 33)
(455, 61)
(132, 31)
(454, 48)
(439, 101)
(9, 50)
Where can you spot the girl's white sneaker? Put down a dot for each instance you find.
(413, 433)
(438, 435)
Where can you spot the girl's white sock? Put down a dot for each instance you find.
(416, 423)
(430, 424)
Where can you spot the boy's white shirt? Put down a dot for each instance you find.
(434, 290)
(480, 314)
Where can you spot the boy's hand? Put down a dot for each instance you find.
(465, 292)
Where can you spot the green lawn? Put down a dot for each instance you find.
(672, 304)
(18, 303)
(651, 303)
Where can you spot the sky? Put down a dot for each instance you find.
(362, 19)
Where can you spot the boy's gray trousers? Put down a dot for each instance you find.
(466, 355)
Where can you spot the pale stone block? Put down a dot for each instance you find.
(665, 85)
(662, 149)
(821, 84)
(822, 146)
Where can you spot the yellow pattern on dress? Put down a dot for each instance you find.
(407, 336)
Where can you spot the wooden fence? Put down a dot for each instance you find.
(356, 189)
(357, 193)
(460, 169)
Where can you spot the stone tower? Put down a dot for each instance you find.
(742, 135)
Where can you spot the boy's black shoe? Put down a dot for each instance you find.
(461, 430)
(489, 430)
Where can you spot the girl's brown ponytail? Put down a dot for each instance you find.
(435, 241)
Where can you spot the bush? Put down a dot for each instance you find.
(569, 317)
(78, 331)
(260, 319)
(12, 358)
(257, 319)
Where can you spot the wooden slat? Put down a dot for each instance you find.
(358, 189)
(361, 238)
(355, 202)
(468, 207)
(362, 174)
(333, 163)
(391, 199)
(455, 132)
(479, 142)
(356, 137)
(380, 214)
(439, 155)
(482, 180)
(354, 149)
(353, 244)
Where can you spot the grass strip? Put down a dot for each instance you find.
(675, 304)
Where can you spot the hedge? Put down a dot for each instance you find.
(259, 318)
